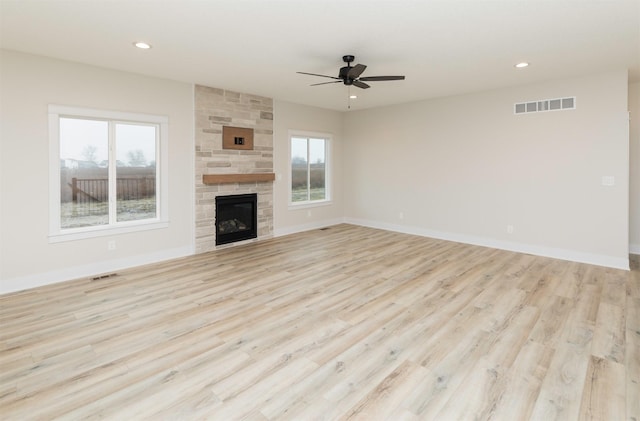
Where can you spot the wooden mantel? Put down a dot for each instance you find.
(238, 178)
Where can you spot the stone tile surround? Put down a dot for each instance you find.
(215, 108)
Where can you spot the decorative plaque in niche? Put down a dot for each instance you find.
(237, 138)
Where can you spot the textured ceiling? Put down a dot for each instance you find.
(256, 46)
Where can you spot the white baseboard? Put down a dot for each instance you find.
(66, 274)
(562, 254)
(634, 248)
(307, 227)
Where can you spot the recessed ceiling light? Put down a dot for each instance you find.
(353, 96)
(142, 45)
(522, 65)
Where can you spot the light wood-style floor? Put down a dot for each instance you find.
(343, 323)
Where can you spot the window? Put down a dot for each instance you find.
(107, 172)
(309, 170)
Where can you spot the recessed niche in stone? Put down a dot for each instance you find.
(237, 138)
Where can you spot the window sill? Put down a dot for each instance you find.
(81, 234)
(305, 205)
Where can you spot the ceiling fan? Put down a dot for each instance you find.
(350, 75)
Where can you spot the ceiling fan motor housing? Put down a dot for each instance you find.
(344, 74)
(344, 71)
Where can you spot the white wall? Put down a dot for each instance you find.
(460, 168)
(634, 179)
(29, 84)
(288, 116)
(465, 167)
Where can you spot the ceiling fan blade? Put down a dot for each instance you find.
(380, 78)
(315, 74)
(324, 83)
(356, 71)
(360, 84)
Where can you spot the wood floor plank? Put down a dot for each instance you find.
(555, 314)
(632, 359)
(341, 323)
(604, 396)
(523, 382)
(609, 334)
(449, 374)
(388, 395)
(560, 397)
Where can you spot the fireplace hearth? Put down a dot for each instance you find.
(236, 218)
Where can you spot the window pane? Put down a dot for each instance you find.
(135, 172)
(299, 175)
(84, 187)
(317, 169)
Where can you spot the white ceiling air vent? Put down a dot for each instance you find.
(543, 105)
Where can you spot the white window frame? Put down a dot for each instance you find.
(56, 232)
(327, 158)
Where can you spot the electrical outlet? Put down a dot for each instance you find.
(308, 214)
(401, 215)
(509, 229)
(608, 180)
(111, 245)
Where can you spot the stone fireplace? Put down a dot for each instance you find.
(226, 172)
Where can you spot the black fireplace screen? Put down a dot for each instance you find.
(236, 218)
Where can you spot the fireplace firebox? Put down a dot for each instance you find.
(236, 218)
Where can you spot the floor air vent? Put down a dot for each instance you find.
(110, 275)
(544, 105)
